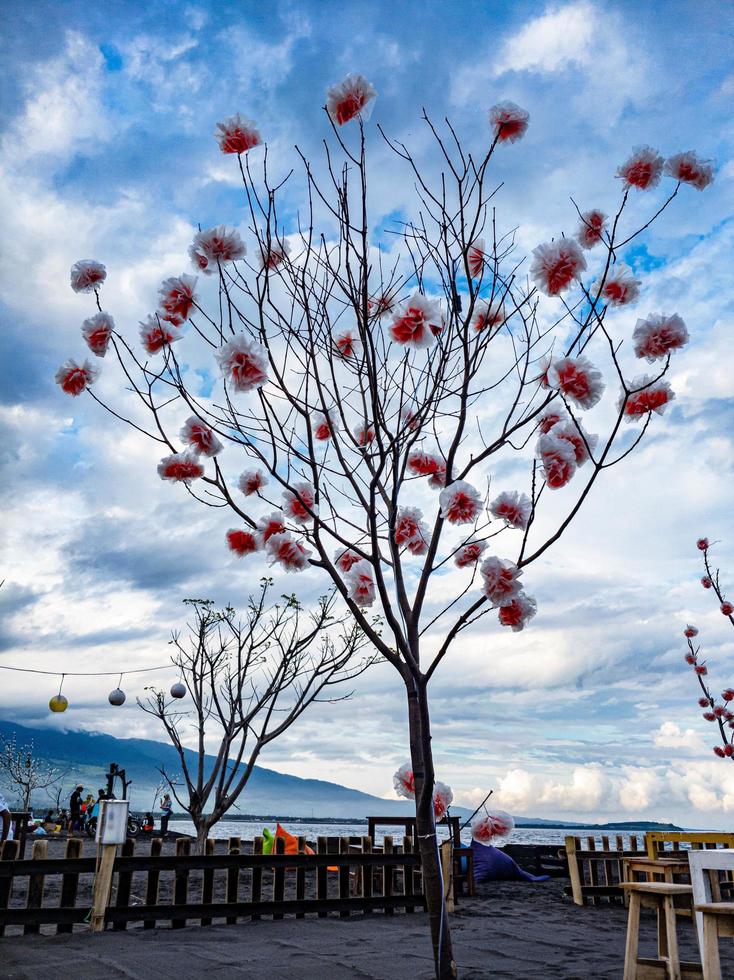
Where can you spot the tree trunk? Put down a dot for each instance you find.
(202, 834)
(422, 760)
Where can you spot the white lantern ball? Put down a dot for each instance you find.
(117, 697)
(178, 690)
(58, 703)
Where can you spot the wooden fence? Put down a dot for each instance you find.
(596, 872)
(152, 889)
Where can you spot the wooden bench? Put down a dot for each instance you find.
(596, 873)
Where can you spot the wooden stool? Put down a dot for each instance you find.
(718, 920)
(660, 896)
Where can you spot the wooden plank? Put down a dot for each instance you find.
(301, 877)
(592, 865)
(9, 850)
(387, 873)
(574, 872)
(207, 885)
(70, 882)
(151, 888)
(233, 878)
(279, 877)
(367, 871)
(181, 881)
(344, 876)
(106, 854)
(608, 865)
(257, 874)
(322, 879)
(447, 866)
(124, 882)
(35, 885)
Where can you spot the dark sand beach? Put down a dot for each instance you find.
(508, 930)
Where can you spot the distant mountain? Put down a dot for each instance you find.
(87, 756)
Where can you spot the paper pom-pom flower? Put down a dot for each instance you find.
(558, 457)
(286, 551)
(87, 275)
(443, 797)
(345, 558)
(404, 782)
(590, 229)
(490, 828)
(410, 531)
(417, 322)
(241, 542)
(577, 379)
(352, 97)
(299, 503)
(360, 583)
(642, 169)
(513, 508)
(500, 579)
(347, 344)
(323, 425)
(517, 612)
(460, 503)
(176, 298)
(659, 335)
(488, 314)
(550, 417)
(428, 464)
(274, 255)
(475, 258)
(469, 554)
(74, 378)
(251, 481)
(583, 443)
(647, 396)
(200, 437)
(621, 287)
(237, 135)
(180, 468)
(508, 121)
(97, 331)
(215, 247)
(269, 526)
(244, 363)
(690, 169)
(156, 334)
(556, 264)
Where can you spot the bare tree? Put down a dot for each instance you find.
(249, 681)
(24, 771)
(717, 711)
(356, 377)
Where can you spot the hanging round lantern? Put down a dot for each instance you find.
(117, 697)
(178, 690)
(58, 702)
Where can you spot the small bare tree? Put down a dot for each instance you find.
(24, 771)
(249, 680)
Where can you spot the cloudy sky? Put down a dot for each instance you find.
(108, 153)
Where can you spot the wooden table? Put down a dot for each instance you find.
(652, 868)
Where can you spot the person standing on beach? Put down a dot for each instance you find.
(6, 832)
(75, 809)
(166, 811)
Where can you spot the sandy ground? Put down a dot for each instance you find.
(509, 930)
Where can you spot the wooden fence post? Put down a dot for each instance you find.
(279, 876)
(124, 885)
(301, 877)
(257, 875)
(207, 887)
(573, 870)
(408, 886)
(447, 873)
(181, 881)
(387, 871)
(154, 875)
(8, 852)
(69, 883)
(322, 880)
(367, 872)
(35, 885)
(344, 876)
(233, 879)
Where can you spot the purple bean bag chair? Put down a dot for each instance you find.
(492, 864)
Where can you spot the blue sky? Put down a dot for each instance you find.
(108, 152)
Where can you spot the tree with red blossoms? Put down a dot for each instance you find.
(716, 710)
(378, 390)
